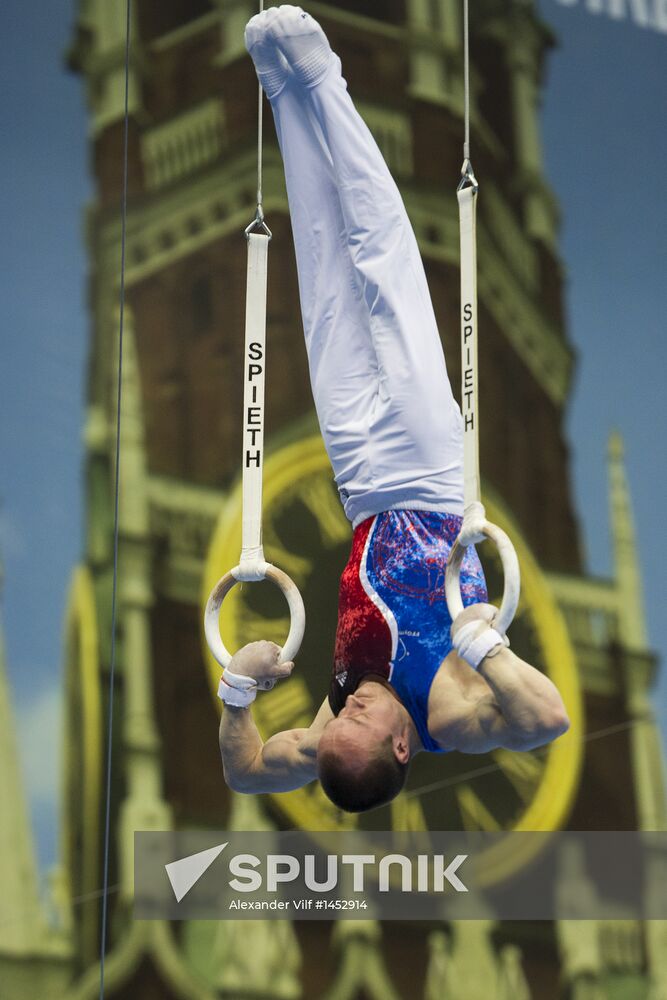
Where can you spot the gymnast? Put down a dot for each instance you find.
(405, 679)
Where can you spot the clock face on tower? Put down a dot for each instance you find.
(307, 535)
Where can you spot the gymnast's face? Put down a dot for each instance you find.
(370, 715)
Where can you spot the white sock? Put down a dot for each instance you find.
(302, 42)
(269, 63)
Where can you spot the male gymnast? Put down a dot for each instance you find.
(405, 679)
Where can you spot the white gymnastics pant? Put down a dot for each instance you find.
(391, 426)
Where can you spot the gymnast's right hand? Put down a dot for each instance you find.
(261, 662)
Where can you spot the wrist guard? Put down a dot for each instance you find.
(475, 639)
(237, 690)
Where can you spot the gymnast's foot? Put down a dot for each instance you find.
(272, 70)
(302, 42)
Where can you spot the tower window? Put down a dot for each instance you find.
(156, 19)
(201, 304)
(391, 11)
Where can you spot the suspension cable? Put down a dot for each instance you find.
(260, 152)
(114, 592)
(466, 80)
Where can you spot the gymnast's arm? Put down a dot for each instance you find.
(524, 708)
(505, 703)
(286, 761)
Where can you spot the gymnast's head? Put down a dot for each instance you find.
(364, 752)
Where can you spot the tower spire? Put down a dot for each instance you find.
(632, 622)
(644, 737)
(20, 912)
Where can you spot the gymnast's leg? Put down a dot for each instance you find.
(410, 426)
(415, 448)
(342, 362)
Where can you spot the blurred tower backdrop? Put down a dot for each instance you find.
(192, 142)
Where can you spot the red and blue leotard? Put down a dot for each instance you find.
(393, 619)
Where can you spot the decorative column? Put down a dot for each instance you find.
(21, 918)
(99, 538)
(639, 664)
(632, 623)
(656, 948)
(361, 967)
(579, 940)
(35, 954)
(464, 965)
(99, 52)
(646, 747)
(524, 45)
(439, 972)
(436, 64)
(234, 15)
(144, 807)
(257, 959)
(512, 982)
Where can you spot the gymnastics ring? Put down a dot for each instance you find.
(512, 574)
(220, 591)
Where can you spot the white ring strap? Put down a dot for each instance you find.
(475, 527)
(467, 199)
(252, 566)
(253, 397)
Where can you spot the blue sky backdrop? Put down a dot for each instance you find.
(606, 158)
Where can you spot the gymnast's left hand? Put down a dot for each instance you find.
(261, 661)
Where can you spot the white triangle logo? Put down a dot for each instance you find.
(342, 677)
(185, 872)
